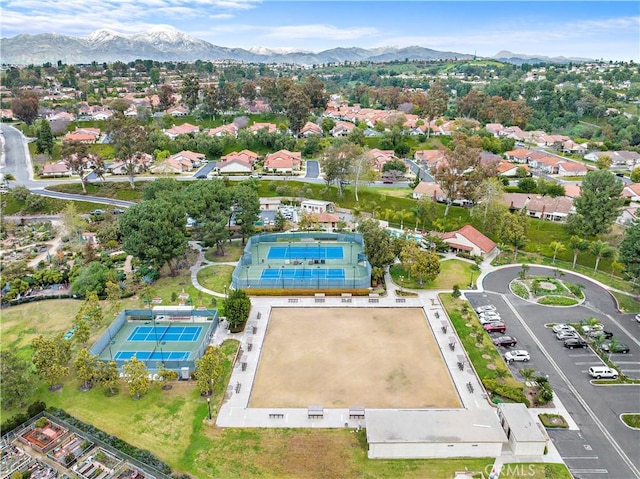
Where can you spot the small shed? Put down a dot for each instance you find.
(525, 433)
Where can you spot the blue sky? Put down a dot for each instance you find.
(592, 29)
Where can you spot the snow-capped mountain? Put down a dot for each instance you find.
(165, 43)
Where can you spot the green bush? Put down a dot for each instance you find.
(553, 420)
(519, 289)
(557, 301)
(508, 392)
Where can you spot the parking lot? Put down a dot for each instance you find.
(603, 445)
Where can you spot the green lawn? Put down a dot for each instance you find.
(632, 420)
(627, 303)
(215, 277)
(232, 252)
(535, 471)
(452, 272)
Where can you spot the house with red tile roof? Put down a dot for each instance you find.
(184, 129)
(310, 129)
(572, 190)
(59, 168)
(540, 207)
(256, 127)
(628, 216)
(341, 129)
(427, 189)
(283, 161)
(190, 158)
(378, 158)
(82, 135)
(632, 192)
(468, 240)
(245, 155)
(234, 164)
(176, 111)
(429, 158)
(506, 168)
(230, 129)
(571, 168)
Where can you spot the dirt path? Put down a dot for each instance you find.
(54, 245)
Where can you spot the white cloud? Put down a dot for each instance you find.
(325, 32)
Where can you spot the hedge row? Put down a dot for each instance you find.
(508, 392)
(140, 454)
(305, 292)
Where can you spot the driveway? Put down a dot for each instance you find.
(313, 169)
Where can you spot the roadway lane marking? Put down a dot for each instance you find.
(575, 392)
(627, 362)
(581, 457)
(589, 471)
(582, 363)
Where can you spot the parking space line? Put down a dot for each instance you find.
(581, 457)
(589, 471)
(575, 392)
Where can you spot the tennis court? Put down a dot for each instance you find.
(152, 356)
(308, 273)
(165, 333)
(305, 252)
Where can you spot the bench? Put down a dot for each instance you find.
(437, 315)
(293, 300)
(320, 300)
(259, 315)
(249, 346)
(356, 412)
(238, 386)
(470, 387)
(276, 416)
(347, 300)
(444, 327)
(244, 366)
(374, 300)
(401, 300)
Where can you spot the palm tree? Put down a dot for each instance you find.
(577, 244)
(600, 250)
(557, 247)
(527, 374)
(613, 345)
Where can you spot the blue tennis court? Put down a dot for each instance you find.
(165, 333)
(152, 355)
(304, 273)
(306, 252)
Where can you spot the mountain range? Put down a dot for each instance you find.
(168, 44)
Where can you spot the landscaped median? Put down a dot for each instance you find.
(484, 356)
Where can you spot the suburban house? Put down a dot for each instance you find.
(627, 158)
(223, 130)
(571, 146)
(82, 135)
(192, 157)
(429, 158)
(468, 240)
(256, 127)
(61, 116)
(59, 168)
(326, 221)
(427, 189)
(270, 204)
(142, 163)
(342, 128)
(184, 129)
(628, 216)
(572, 190)
(571, 168)
(378, 158)
(317, 206)
(310, 129)
(234, 164)
(632, 192)
(176, 111)
(541, 207)
(506, 168)
(245, 155)
(170, 167)
(283, 161)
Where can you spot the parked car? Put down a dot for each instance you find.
(490, 319)
(487, 307)
(603, 372)
(495, 327)
(97, 212)
(201, 177)
(572, 343)
(505, 341)
(562, 326)
(598, 334)
(118, 211)
(517, 355)
(617, 348)
(638, 318)
(562, 335)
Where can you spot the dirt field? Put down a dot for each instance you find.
(375, 357)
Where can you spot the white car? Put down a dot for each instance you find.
(563, 327)
(562, 335)
(517, 355)
(487, 320)
(488, 307)
(638, 318)
(489, 316)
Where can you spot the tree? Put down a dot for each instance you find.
(635, 175)
(556, 247)
(86, 368)
(527, 185)
(44, 140)
(91, 309)
(395, 165)
(426, 267)
(16, 380)
(72, 222)
(190, 90)
(514, 231)
(603, 162)
(209, 369)
(137, 377)
(108, 376)
(51, 358)
(338, 163)
(527, 375)
(82, 331)
(629, 249)
(599, 203)
(91, 277)
(246, 208)
(129, 140)
(114, 295)
(409, 256)
(279, 221)
(165, 97)
(297, 108)
(378, 246)
(237, 307)
(80, 162)
(577, 245)
(435, 104)
(165, 375)
(600, 250)
(25, 106)
(155, 232)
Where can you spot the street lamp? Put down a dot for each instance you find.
(209, 407)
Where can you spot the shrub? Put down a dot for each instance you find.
(557, 301)
(508, 392)
(553, 420)
(519, 289)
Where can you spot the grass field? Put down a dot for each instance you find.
(232, 252)
(452, 272)
(215, 277)
(535, 471)
(628, 304)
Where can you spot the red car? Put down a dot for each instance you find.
(505, 341)
(496, 327)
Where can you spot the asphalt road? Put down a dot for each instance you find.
(16, 157)
(313, 169)
(604, 446)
